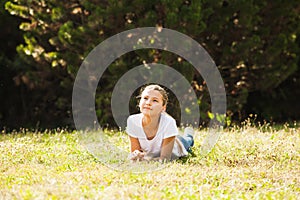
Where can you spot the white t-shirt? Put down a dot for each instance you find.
(167, 128)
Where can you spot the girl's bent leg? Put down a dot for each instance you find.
(187, 139)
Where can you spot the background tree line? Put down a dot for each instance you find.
(255, 45)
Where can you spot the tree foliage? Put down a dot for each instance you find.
(254, 45)
(10, 98)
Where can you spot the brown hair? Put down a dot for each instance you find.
(158, 88)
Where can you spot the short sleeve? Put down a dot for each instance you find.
(133, 129)
(170, 129)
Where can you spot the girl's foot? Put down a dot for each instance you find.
(189, 131)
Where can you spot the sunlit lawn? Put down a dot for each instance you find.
(247, 163)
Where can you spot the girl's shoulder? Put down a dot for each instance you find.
(134, 117)
(134, 123)
(168, 125)
(167, 117)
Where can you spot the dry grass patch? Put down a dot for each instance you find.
(248, 162)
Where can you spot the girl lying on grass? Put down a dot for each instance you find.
(153, 133)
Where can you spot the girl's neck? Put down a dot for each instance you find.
(150, 126)
(150, 121)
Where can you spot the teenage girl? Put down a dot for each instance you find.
(153, 133)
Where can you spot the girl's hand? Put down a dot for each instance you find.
(136, 155)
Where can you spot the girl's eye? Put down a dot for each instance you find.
(145, 98)
(155, 100)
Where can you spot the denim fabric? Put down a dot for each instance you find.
(187, 141)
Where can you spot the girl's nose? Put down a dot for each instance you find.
(148, 102)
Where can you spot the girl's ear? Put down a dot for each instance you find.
(164, 108)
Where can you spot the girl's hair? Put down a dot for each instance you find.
(158, 88)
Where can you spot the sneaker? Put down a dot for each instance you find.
(189, 131)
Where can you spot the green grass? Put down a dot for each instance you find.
(248, 162)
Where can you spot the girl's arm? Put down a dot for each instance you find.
(136, 150)
(166, 149)
(134, 144)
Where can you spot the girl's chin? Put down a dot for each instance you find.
(149, 114)
(145, 112)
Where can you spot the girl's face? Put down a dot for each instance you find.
(151, 103)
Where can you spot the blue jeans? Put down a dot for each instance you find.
(187, 141)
